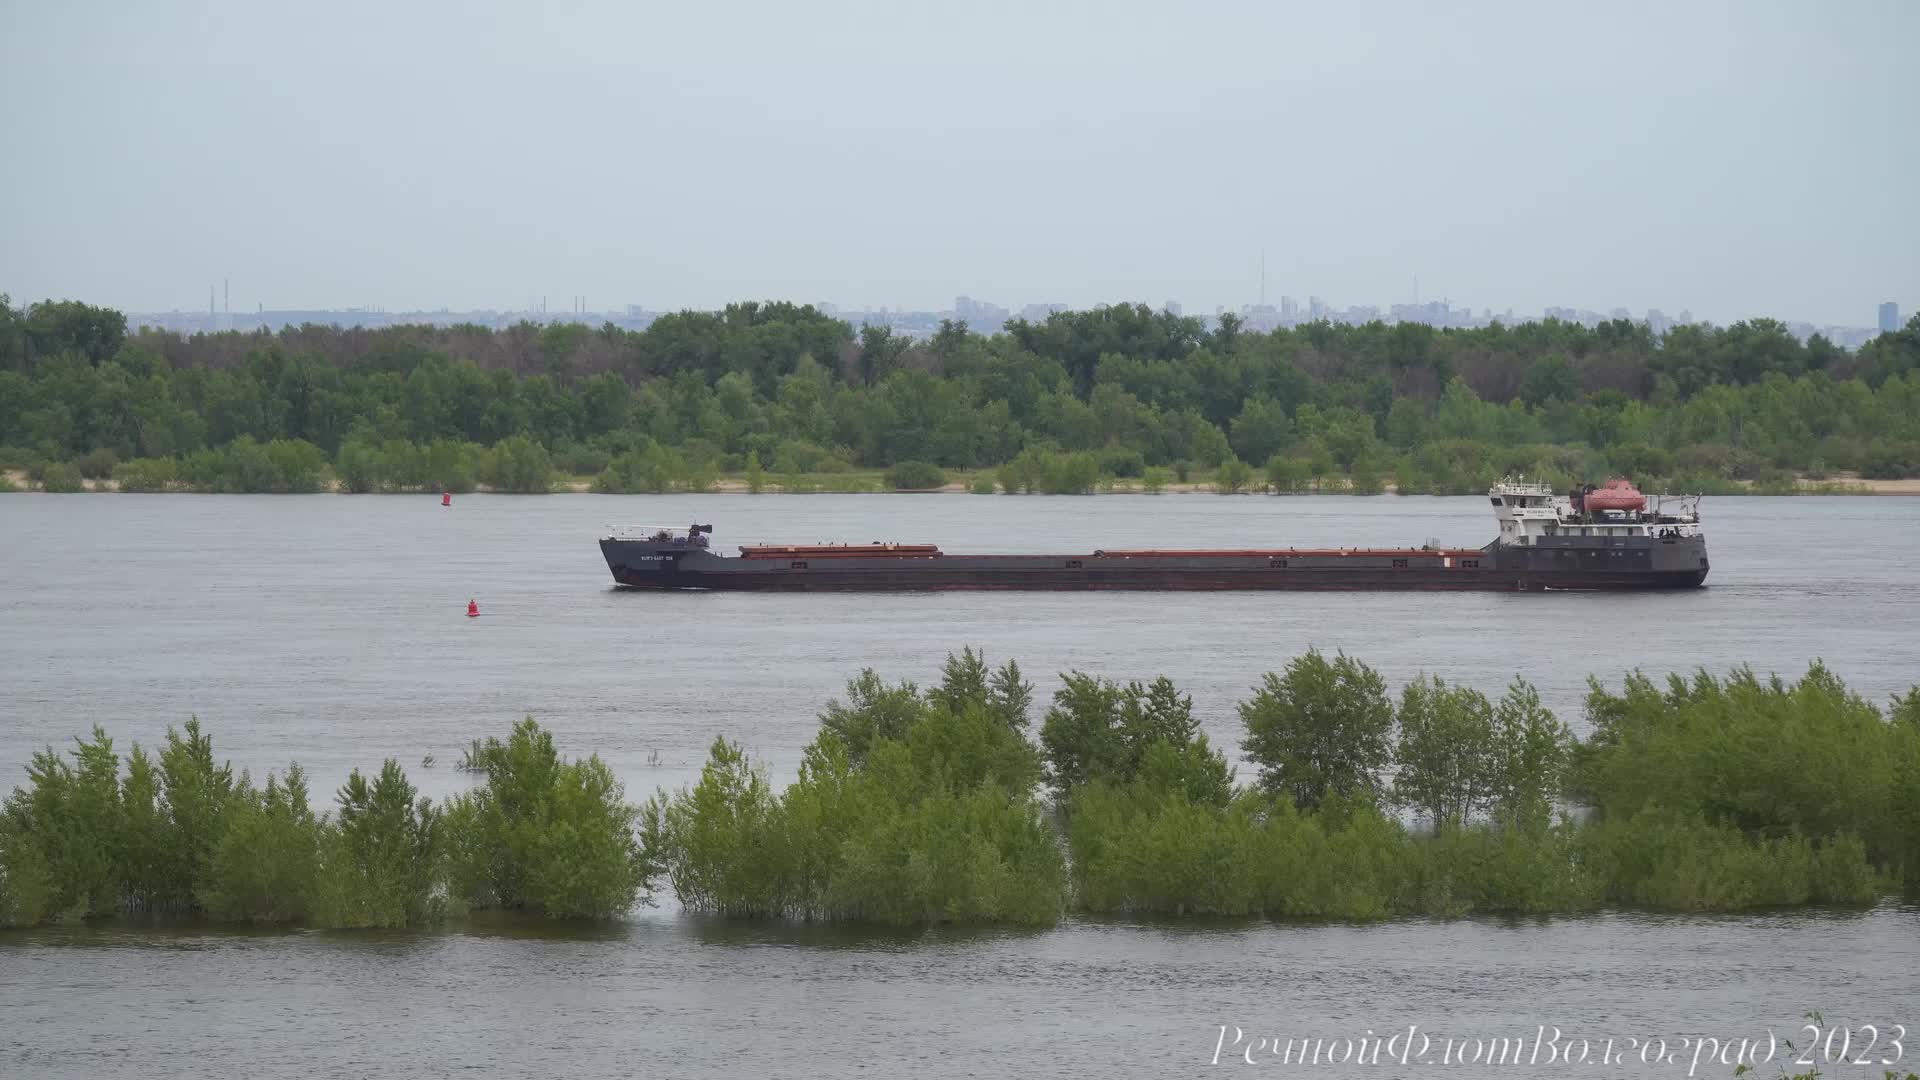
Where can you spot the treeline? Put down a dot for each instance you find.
(787, 391)
(940, 805)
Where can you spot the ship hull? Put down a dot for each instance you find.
(1627, 564)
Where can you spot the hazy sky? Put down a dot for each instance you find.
(1732, 158)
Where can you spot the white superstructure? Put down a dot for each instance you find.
(1528, 511)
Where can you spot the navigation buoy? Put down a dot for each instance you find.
(446, 498)
(473, 609)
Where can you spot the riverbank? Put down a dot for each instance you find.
(871, 482)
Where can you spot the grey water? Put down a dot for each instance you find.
(331, 631)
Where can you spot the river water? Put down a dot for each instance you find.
(330, 630)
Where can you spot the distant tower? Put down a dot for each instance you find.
(1889, 317)
(226, 295)
(211, 309)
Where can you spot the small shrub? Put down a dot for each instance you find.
(1117, 461)
(61, 478)
(97, 465)
(914, 476)
(983, 484)
(145, 474)
(1234, 475)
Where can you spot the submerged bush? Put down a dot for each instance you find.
(909, 809)
(263, 867)
(921, 806)
(541, 834)
(380, 864)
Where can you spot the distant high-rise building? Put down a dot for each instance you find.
(1889, 317)
(1289, 309)
(1171, 307)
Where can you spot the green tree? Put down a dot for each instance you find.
(380, 862)
(542, 834)
(263, 866)
(1105, 731)
(1531, 750)
(1233, 476)
(1320, 731)
(518, 464)
(873, 712)
(1445, 761)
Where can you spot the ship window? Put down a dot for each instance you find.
(798, 564)
(1496, 500)
(1073, 564)
(1469, 564)
(1399, 564)
(1277, 562)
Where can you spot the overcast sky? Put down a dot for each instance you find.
(1735, 159)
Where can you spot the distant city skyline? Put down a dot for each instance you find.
(981, 315)
(1739, 158)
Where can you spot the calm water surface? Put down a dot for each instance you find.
(329, 630)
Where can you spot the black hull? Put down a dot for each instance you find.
(1304, 582)
(1609, 568)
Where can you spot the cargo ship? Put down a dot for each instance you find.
(1592, 538)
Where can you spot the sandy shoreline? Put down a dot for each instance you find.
(1852, 485)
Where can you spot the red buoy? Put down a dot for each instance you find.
(473, 609)
(446, 498)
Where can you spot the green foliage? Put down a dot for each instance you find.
(97, 465)
(518, 464)
(1286, 474)
(246, 466)
(655, 470)
(1233, 476)
(1445, 758)
(1768, 758)
(62, 479)
(1705, 408)
(914, 476)
(145, 475)
(1458, 755)
(26, 882)
(1321, 731)
(71, 815)
(983, 484)
(381, 865)
(541, 834)
(398, 465)
(1050, 472)
(262, 868)
(1100, 731)
(909, 809)
(1122, 462)
(1668, 860)
(917, 807)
